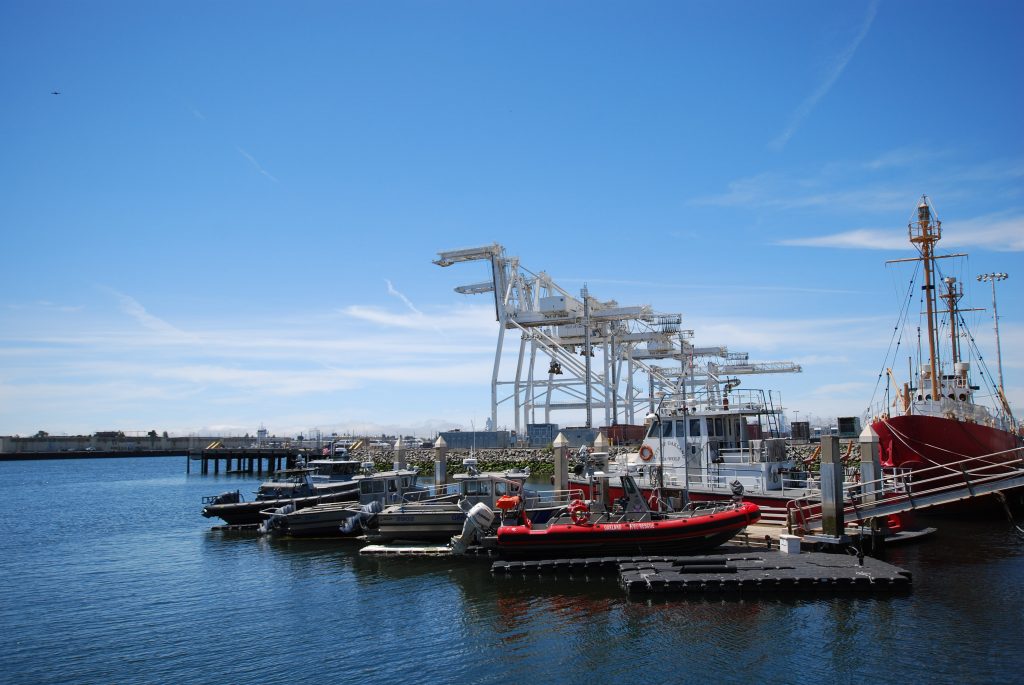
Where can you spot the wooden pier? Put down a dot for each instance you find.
(248, 460)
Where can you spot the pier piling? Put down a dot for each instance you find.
(831, 487)
(561, 447)
(440, 461)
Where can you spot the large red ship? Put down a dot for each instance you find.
(937, 418)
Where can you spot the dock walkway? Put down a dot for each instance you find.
(746, 572)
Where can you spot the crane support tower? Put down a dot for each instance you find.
(598, 353)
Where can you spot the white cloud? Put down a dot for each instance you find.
(905, 157)
(476, 320)
(856, 187)
(715, 287)
(865, 239)
(792, 337)
(132, 307)
(44, 306)
(780, 192)
(994, 232)
(854, 388)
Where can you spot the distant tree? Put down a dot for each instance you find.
(42, 434)
(152, 434)
(165, 435)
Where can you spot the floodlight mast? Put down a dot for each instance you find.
(993, 278)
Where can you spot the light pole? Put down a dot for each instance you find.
(686, 455)
(992, 278)
(655, 420)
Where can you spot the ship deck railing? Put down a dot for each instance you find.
(746, 401)
(551, 498)
(903, 489)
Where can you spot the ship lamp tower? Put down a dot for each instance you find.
(924, 233)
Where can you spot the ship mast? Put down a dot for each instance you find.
(952, 298)
(924, 233)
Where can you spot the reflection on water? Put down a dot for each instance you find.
(109, 574)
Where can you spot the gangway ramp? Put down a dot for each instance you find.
(902, 490)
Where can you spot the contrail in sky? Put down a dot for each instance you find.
(807, 105)
(256, 164)
(403, 298)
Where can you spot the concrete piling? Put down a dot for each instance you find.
(870, 465)
(400, 459)
(440, 461)
(561, 447)
(831, 487)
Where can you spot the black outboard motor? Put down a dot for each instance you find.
(228, 498)
(223, 498)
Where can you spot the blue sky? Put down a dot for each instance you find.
(228, 215)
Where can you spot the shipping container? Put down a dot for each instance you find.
(624, 434)
(800, 430)
(849, 426)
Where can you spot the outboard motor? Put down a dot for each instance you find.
(223, 498)
(273, 522)
(363, 517)
(478, 521)
(228, 498)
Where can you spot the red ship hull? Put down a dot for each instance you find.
(917, 441)
(920, 442)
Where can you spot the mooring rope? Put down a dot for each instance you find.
(984, 459)
(1009, 514)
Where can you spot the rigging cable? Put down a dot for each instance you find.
(900, 324)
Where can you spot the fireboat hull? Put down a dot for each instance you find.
(672, 535)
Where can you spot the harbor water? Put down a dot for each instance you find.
(108, 574)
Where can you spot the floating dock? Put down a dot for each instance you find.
(406, 551)
(747, 572)
(400, 550)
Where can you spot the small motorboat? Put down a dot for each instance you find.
(294, 487)
(444, 515)
(627, 527)
(374, 490)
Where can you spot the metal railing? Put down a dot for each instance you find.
(551, 498)
(903, 489)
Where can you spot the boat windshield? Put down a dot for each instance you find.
(477, 487)
(367, 487)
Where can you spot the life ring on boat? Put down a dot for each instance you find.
(646, 453)
(579, 514)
